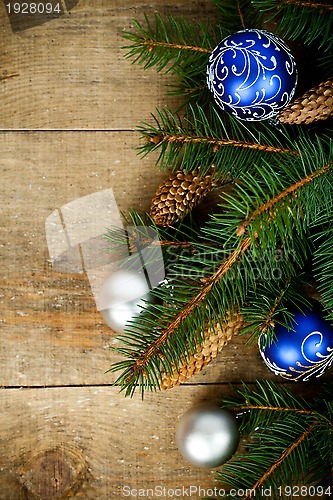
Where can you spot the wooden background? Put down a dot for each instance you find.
(69, 106)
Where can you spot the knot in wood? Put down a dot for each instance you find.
(53, 473)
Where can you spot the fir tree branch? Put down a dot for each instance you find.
(265, 305)
(133, 247)
(172, 44)
(208, 137)
(272, 408)
(300, 411)
(194, 90)
(154, 348)
(269, 317)
(216, 143)
(288, 437)
(323, 262)
(239, 14)
(291, 190)
(311, 5)
(282, 458)
(214, 286)
(151, 44)
(241, 17)
(302, 20)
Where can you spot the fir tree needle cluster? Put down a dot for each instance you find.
(276, 219)
(270, 236)
(290, 444)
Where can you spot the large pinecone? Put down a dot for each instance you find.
(316, 104)
(214, 342)
(179, 194)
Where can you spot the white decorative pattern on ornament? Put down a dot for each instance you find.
(303, 353)
(252, 75)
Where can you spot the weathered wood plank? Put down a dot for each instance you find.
(52, 333)
(87, 441)
(42, 312)
(71, 73)
(93, 443)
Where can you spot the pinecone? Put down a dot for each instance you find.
(214, 342)
(179, 194)
(316, 104)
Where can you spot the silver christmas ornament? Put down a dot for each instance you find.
(207, 435)
(122, 297)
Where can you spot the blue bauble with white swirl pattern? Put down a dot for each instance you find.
(252, 75)
(302, 354)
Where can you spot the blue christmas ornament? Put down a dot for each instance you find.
(252, 75)
(302, 354)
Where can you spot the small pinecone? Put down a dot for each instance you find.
(316, 104)
(179, 194)
(214, 342)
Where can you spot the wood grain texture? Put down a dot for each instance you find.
(69, 102)
(71, 73)
(52, 333)
(42, 311)
(91, 443)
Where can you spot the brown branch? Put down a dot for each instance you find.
(279, 461)
(182, 244)
(217, 143)
(222, 270)
(278, 408)
(312, 5)
(272, 408)
(152, 44)
(284, 194)
(196, 89)
(155, 347)
(133, 246)
(241, 15)
(269, 321)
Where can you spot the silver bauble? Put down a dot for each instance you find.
(207, 435)
(122, 297)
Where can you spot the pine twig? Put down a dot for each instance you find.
(216, 143)
(287, 192)
(269, 319)
(313, 5)
(304, 20)
(151, 44)
(281, 459)
(272, 408)
(241, 17)
(155, 346)
(278, 425)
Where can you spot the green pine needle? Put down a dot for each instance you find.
(238, 14)
(172, 45)
(288, 443)
(212, 138)
(304, 21)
